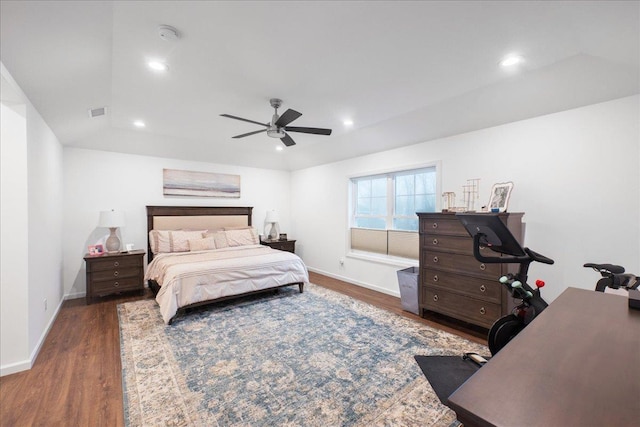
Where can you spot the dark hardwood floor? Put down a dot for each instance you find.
(76, 379)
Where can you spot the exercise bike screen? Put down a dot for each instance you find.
(495, 233)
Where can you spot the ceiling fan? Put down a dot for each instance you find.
(277, 127)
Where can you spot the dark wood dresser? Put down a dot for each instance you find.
(110, 274)
(452, 281)
(282, 245)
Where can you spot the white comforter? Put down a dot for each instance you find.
(189, 277)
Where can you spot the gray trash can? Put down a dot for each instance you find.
(408, 281)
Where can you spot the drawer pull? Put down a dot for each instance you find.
(435, 298)
(116, 284)
(482, 288)
(435, 278)
(483, 267)
(116, 264)
(435, 225)
(115, 273)
(435, 259)
(482, 310)
(435, 241)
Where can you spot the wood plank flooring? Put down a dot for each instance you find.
(76, 379)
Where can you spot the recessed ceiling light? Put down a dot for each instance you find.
(347, 122)
(139, 124)
(279, 148)
(158, 66)
(511, 60)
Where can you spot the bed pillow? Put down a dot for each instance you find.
(219, 238)
(164, 241)
(204, 244)
(242, 237)
(160, 241)
(180, 239)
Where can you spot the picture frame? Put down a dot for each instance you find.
(96, 250)
(499, 200)
(283, 236)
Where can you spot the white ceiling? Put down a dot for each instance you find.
(405, 72)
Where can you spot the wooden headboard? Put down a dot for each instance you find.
(194, 217)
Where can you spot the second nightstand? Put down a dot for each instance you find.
(283, 245)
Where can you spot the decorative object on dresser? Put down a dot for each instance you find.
(452, 281)
(114, 273)
(500, 194)
(112, 220)
(283, 245)
(271, 220)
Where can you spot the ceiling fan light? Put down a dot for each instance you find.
(276, 133)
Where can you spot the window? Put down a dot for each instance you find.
(383, 210)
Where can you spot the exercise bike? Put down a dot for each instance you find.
(489, 231)
(614, 277)
(447, 373)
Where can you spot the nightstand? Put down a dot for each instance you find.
(283, 245)
(110, 274)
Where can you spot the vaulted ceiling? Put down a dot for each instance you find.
(404, 72)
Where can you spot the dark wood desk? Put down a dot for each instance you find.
(577, 364)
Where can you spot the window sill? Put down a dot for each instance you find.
(383, 259)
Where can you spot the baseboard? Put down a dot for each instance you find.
(355, 282)
(25, 365)
(75, 296)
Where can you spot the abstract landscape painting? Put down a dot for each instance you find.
(200, 184)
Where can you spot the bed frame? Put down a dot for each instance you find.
(199, 217)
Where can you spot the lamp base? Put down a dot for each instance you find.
(273, 233)
(112, 244)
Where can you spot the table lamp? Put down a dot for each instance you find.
(112, 220)
(272, 220)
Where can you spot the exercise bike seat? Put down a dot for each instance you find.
(614, 269)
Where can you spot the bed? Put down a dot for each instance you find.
(200, 255)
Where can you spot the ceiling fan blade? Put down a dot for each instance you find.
(248, 134)
(244, 120)
(287, 117)
(315, 131)
(286, 140)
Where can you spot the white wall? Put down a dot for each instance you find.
(100, 180)
(31, 229)
(14, 274)
(576, 177)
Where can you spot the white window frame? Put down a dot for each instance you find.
(377, 257)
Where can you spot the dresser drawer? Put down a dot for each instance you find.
(443, 225)
(115, 263)
(464, 264)
(118, 273)
(116, 285)
(475, 311)
(447, 243)
(482, 289)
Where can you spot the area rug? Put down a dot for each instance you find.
(284, 359)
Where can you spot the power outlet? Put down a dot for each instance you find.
(45, 304)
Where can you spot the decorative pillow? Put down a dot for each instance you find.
(203, 244)
(241, 237)
(160, 241)
(163, 241)
(219, 237)
(180, 239)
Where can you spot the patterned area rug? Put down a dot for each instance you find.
(285, 359)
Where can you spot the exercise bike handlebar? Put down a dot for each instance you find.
(528, 256)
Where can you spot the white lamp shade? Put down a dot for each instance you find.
(272, 216)
(111, 219)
